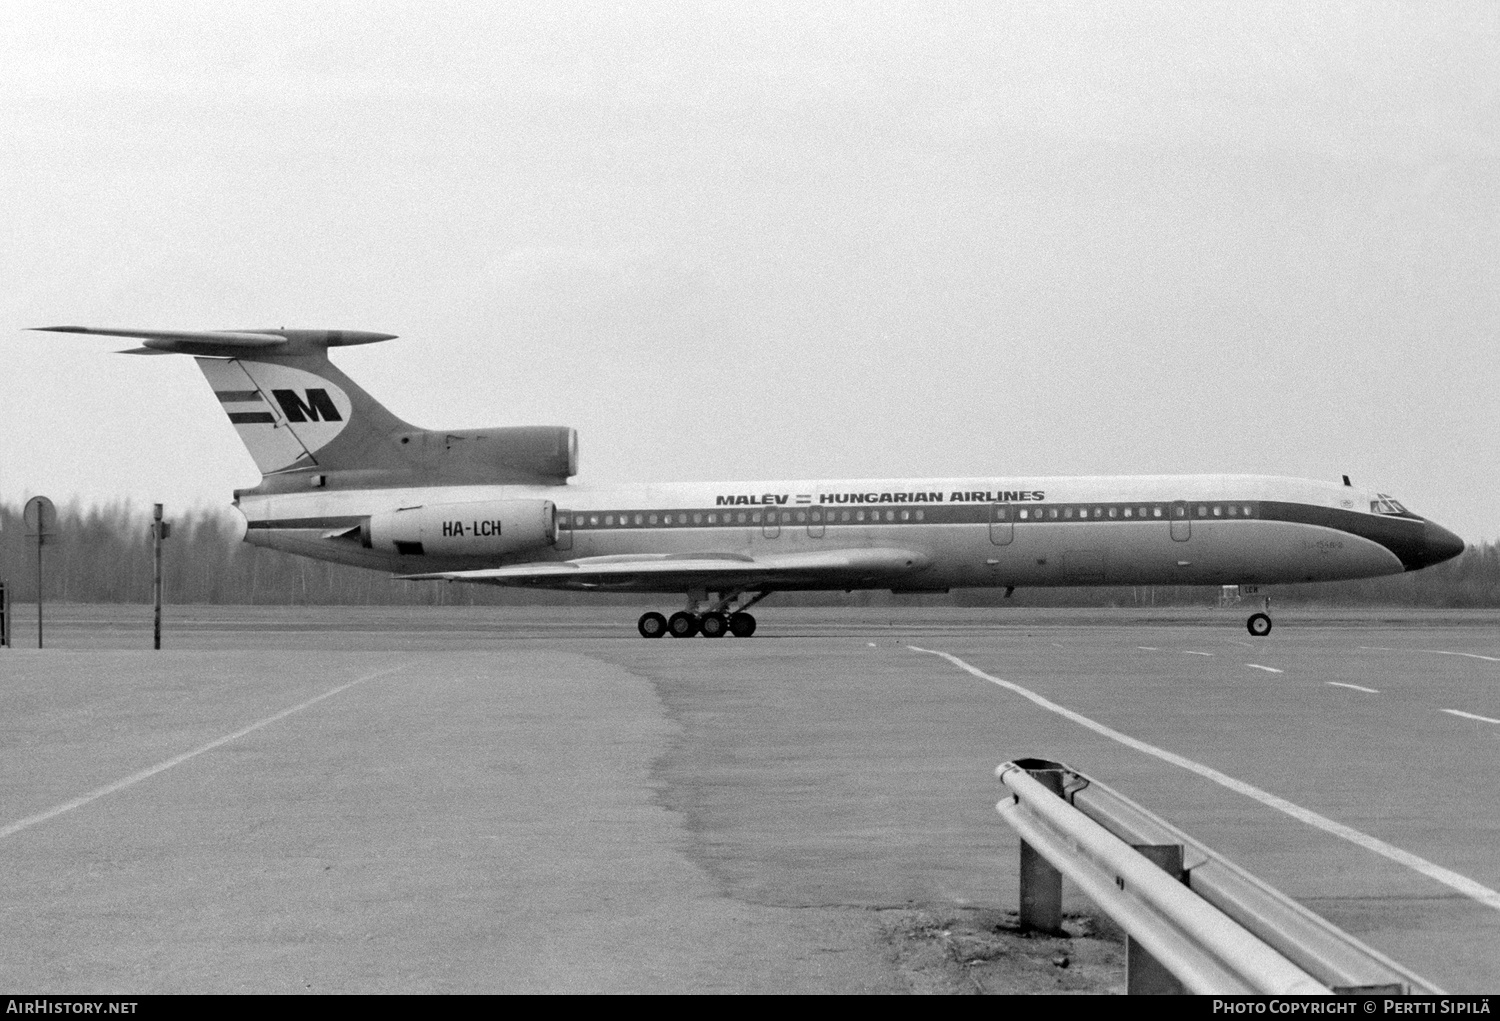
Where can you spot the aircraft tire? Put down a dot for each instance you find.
(741, 625)
(713, 625)
(652, 625)
(1258, 625)
(682, 624)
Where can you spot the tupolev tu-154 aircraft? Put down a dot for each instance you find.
(345, 480)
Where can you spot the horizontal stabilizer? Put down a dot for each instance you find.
(225, 342)
(825, 567)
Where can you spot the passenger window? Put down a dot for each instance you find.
(1180, 512)
(1127, 512)
(1025, 514)
(1247, 511)
(859, 515)
(740, 517)
(1113, 511)
(755, 517)
(906, 515)
(817, 515)
(802, 515)
(697, 519)
(770, 517)
(1156, 512)
(713, 519)
(593, 519)
(844, 516)
(1098, 513)
(1067, 512)
(1202, 511)
(921, 515)
(1234, 511)
(890, 515)
(1218, 511)
(651, 519)
(1001, 513)
(1083, 512)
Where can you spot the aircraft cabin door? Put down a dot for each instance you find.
(815, 522)
(1002, 524)
(771, 526)
(564, 533)
(1182, 524)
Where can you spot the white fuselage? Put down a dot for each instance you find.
(1114, 530)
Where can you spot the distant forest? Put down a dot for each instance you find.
(103, 555)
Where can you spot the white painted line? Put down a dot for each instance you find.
(1434, 652)
(870, 644)
(1471, 716)
(1189, 652)
(1267, 669)
(1463, 884)
(1354, 687)
(1148, 648)
(160, 767)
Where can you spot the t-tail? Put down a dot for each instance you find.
(305, 423)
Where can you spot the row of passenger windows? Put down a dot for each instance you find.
(818, 515)
(814, 515)
(1124, 512)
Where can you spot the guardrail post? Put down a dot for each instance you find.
(1041, 883)
(1144, 974)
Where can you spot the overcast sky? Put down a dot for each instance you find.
(774, 240)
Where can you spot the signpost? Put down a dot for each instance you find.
(160, 530)
(41, 524)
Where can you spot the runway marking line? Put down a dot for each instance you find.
(1353, 687)
(1453, 880)
(1471, 716)
(1267, 669)
(1148, 648)
(1435, 652)
(177, 760)
(1189, 652)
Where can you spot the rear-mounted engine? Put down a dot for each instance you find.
(485, 529)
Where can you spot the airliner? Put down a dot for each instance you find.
(344, 480)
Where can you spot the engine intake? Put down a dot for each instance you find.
(484, 529)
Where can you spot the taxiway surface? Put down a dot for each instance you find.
(497, 799)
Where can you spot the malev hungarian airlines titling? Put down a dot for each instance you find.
(345, 480)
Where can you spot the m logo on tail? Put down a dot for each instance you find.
(318, 408)
(283, 415)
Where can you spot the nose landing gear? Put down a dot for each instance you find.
(1259, 624)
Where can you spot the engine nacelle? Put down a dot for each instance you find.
(483, 529)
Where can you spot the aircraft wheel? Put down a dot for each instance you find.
(741, 625)
(713, 625)
(682, 624)
(652, 625)
(1259, 625)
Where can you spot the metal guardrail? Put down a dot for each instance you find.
(1195, 922)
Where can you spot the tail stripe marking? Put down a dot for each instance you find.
(238, 396)
(251, 417)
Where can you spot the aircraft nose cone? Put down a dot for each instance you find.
(1438, 544)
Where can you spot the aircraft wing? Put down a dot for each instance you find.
(671, 571)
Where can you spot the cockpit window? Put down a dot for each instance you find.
(1383, 504)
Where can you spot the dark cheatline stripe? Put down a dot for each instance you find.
(251, 417)
(237, 396)
(1407, 537)
(331, 522)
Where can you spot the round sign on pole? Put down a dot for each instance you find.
(40, 517)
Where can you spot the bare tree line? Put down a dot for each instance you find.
(102, 554)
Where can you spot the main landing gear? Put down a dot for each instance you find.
(709, 618)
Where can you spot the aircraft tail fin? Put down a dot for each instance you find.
(296, 412)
